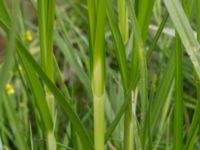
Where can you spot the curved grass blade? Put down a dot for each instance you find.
(9, 60)
(39, 95)
(13, 121)
(185, 32)
(145, 10)
(163, 90)
(116, 34)
(70, 55)
(63, 102)
(68, 110)
(120, 48)
(4, 15)
(192, 133)
(121, 57)
(157, 36)
(142, 66)
(117, 119)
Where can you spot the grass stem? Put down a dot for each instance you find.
(178, 108)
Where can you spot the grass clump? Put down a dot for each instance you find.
(99, 74)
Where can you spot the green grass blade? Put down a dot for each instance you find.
(141, 54)
(121, 57)
(135, 72)
(9, 60)
(46, 10)
(95, 67)
(4, 15)
(120, 48)
(63, 102)
(195, 119)
(157, 36)
(41, 104)
(70, 55)
(14, 122)
(128, 127)
(185, 32)
(142, 65)
(145, 10)
(98, 56)
(42, 18)
(60, 77)
(98, 75)
(166, 116)
(123, 20)
(178, 108)
(198, 20)
(50, 35)
(69, 112)
(117, 119)
(163, 90)
(39, 95)
(92, 20)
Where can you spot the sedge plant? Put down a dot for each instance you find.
(97, 17)
(46, 16)
(99, 74)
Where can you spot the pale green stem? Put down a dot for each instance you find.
(99, 122)
(128, 128)
(46, 9)
(98, 84)
(98, 74)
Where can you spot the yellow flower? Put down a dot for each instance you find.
(28, 36)
(9, 88)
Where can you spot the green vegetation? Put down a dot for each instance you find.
(99, 74)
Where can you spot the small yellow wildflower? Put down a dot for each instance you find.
(9, 88)
(28, 36)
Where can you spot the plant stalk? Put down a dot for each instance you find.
(128, 128)
(178, 108)
(123, 20)
(46, 13)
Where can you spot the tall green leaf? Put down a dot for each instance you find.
(185, 32)
(178, 108)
